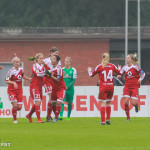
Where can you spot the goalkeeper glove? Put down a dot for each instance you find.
(48, 73)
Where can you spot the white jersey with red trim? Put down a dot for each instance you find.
(38, 72)
(48, 66)
(105, 73)
(132, 75)
(15, 76)
(58, 73)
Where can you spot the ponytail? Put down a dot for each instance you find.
(134, 58)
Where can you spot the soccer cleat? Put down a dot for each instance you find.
(54, 120)
(15, 121)
(68, 118)
(49, 119)
(30, 119)
(40, 121)
(108, 122)
(102, 123)
(136, 109)
(61, 118)
(127, 119)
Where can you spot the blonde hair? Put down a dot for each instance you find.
(68, 58)
(105, 59)
(134, 58)
(38, 55)
(15, 58)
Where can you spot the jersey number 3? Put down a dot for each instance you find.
(107, 76)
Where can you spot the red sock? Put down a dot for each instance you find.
(58, 108)
(103, 114)
(37, 110)
(32, 111)
(49, 109)
(14, 113)
(127, 111)
(108, 112)
(54, 108)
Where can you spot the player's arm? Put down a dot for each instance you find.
(95, 71)
(26, 78)
(59, 75)
(74, 79)
(141, 73)
(7, 80)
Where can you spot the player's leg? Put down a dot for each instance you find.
(60, 98)
(29, 116)
(126, 96)
(134, 96)
(102, 97)
(19, 100)
(70, 100)
(108, 107)
(62, 107)
(14, 111)
(48, 91)
(13, 100)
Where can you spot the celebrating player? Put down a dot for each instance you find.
(38, 72)
(105, 71)
(14, 81)
(70, 76)
(48, 81)
(59, 87)
(133, 77)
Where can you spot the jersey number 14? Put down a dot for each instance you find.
(107, 76)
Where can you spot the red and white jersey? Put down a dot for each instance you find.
(48, 66)
(58, 73)
(15, 76)
(38, 72)
(132, 75)
(105, 73)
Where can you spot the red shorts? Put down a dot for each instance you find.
(15, 96)
(106, 93)
(36, 93)
(58, 95)
(48, 87)
(133, 93)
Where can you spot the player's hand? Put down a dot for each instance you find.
(48, 73)
(89, 69)
(119, 77)
(139, 81)
(119, 67)
(15, 86)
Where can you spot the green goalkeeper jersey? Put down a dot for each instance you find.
(70, 76)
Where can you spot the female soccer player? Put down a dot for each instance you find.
(105, 71)
(38, 72)
(59, 87)
(133, 77)
(14, 81)
(70, 76)
(48, 81)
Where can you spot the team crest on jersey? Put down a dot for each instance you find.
(130, 73)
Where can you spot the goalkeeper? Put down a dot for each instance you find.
(70, 76)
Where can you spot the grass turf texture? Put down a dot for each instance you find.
(76, 134)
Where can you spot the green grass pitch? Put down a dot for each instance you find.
(76, 134)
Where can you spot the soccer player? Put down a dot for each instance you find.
(48, 81)
(133, 77)
(105, 70)
(38, 72)
(14, 81)
(70, 76)
(59, 87)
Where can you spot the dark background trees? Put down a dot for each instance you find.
(70, 13)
